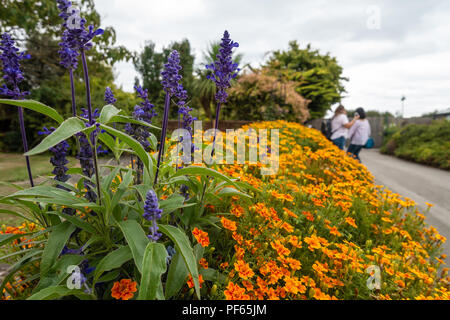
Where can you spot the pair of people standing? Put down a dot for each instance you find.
(357, 130)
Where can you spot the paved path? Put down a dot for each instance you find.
(417, 182)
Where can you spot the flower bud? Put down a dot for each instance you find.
(214, 289)
(311, 293)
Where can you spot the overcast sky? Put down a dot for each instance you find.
(387, 48)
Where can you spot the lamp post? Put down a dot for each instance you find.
(403, 106)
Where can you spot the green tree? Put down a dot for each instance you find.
(149, 63)
(25, 19)
(258, 96)
(318, 76)
(36, 27)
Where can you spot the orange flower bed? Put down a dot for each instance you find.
(319, 224)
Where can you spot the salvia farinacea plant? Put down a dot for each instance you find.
(113, 221)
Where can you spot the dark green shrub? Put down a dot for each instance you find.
(427, 144)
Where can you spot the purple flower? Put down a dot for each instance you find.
(63, 6)
(224, 69)
(67, 250)
(170, 77)
(152, 212)
(172, 86)
(10, 58)
(109, 96)
(145, 111)
(75, 35)
(187, 119)
(69, 57)
(59, 159)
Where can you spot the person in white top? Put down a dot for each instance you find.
(340, 126)
(359, 134)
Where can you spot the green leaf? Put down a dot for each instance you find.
(58, 271)
(107, 113)
(184, 247)
(75, 171)
(112, 261)
(110, 276)
(29, 258)
(173, 203)
(56, 242)
(228, 191)
(35, 106)
(127, 119)
(12, 185)
(133, 143)
(203, 171)
(213, 275)
(76, 221)
(108, 141)
(136, 239)
(122, 189)
(67, 129)
(5, 238)
(153, 266)
(55, 292)
(176, 276)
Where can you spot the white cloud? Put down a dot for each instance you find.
(409, 55)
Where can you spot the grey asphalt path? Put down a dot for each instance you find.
(419, 183)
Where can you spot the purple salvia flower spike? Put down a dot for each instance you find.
(59, 159)
(171, 85)
(10, 58)
(145, 111)
(109, 96)
(223, 71)
(152, 212)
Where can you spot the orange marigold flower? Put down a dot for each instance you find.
(244, 270)
(282, 250)
(239, 251)
(295, 242)
(308, 215)
(228, 224)
(294, 264)
(290, 213)
(201, 236)
(313, 243)
(294, 286)
(203, 263)
(190, 281)
(334, 231)
(237, 210)
(234, 292)
(223, 265)
(124, 289)
(351, 222)
(238, 237)
(248, 285)
(286, 226)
